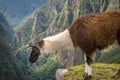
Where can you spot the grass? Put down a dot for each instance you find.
(111, 56)
(100, 72)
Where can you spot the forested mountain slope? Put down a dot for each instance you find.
(7, 29)
(10, 67)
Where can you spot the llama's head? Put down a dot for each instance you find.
(36, 50)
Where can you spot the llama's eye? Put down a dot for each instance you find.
(37, 51)
(34, 55)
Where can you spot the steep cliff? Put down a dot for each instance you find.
(44, 16)
(10, 67)
(23, 33)
(7, 29)
(37, 23)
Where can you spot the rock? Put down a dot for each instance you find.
(60, 74)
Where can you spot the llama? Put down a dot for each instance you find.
(89, 33)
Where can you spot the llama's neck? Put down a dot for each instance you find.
(56, 42)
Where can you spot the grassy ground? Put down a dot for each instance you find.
(100, 72)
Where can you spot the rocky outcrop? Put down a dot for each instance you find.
(60, 74)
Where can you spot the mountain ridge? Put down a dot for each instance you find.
(15, 13)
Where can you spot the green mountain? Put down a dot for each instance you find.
(10, 67)
(16, 10)
(35, 25)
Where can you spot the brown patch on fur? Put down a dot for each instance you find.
(95, 31)
(40, 43)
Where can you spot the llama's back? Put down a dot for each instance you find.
(95, 30)
(108, 26)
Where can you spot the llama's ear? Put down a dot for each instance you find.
(36, 44)
(32, 44)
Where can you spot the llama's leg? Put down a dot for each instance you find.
(88, 67)
(118, 36)
(118, 39)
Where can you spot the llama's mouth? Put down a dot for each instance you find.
(33, 60)
(34, 55)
